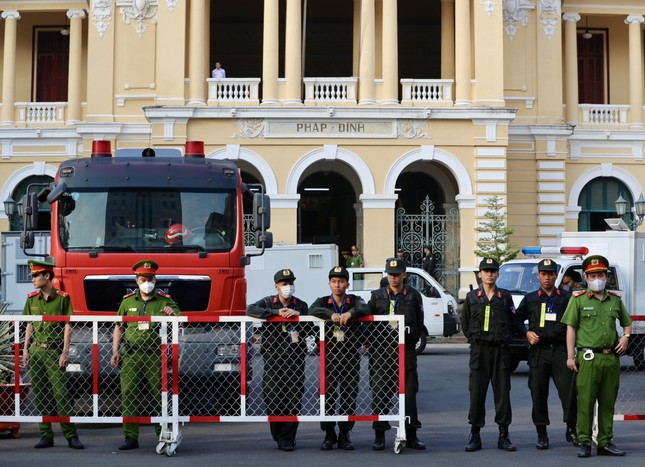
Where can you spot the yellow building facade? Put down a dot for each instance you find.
(356, 116)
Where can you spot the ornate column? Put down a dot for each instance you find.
(367, 54)
(488, 34)
(74, 71)
(635, 70)
(447, 39)
(293, 53)
(462, 53)
(571, 66)
(390, 53)
(9, 67)
(270, 52)
(197, 70)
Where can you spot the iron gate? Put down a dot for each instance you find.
(441, 232)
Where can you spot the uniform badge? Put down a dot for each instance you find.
(337, 269)
(147, 265)
(393, 263)
(547, 262)
(286, 272)
(595, 262)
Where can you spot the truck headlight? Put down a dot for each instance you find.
(228, 350)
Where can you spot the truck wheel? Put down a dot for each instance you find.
(421, 343)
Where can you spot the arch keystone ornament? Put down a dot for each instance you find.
(101, 15)
(139, 12)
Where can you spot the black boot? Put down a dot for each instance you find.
(543, 439)
(474, 440)
(344, 441)
(412, 442)
(572, 435)
(504, 442)
(379, 440)
(330, 440)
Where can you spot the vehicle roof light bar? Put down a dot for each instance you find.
(554, 250)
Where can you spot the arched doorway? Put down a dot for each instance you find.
(597, 202)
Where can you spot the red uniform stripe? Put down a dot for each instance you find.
(243, 369)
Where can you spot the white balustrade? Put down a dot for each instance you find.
(243, 91)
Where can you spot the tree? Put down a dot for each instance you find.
(494, 233)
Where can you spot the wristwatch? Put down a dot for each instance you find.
(627, 335)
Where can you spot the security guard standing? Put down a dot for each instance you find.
(46, 352)
(591, 331)
(342, 354)
(356, 259)
(284, 349)
(488, 320)
(544, 309)
(399, 299)
(142, 350)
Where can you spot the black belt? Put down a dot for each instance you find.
(598, 350)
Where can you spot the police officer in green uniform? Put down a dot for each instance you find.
(142, 349)
(544, 309)
(593, 348)
(356, 259)
(395, 299)
(343, 345)
(46, 352)
(283, 349)
(488, 320)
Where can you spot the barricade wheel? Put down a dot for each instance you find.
(171, 450)
(161, 448)
(398, 446)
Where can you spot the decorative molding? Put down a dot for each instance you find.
(514, 13)
(10, 14)
(549, 16)
(250, 128)
(411, 129)
(171, 4)
(489, 6)
(638, 19)
(101, 15)
(138, 12)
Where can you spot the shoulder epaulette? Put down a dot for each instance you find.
(163, 294)
(33, 294)
(611, 292)
(578, 293)
(62, 294)
(129, 294)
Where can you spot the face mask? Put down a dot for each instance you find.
(286, 291)
(597, 285)
(146, 287)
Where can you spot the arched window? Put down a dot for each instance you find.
(598, 202)
(34, 184)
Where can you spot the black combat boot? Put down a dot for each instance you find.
(411, 440)
(344, 441)
(572, 435)
(329, 441)
(504, 442)
(474, 440)
(543, 439)
(379, 440)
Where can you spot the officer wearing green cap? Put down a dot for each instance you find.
(488, 320)
(593, 348)
(342, 354)
(46, 352)
(544, 309)
(141, 360)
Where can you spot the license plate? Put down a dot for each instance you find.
(74, 367)
(223, 367)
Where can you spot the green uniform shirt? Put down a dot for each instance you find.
(354, 261)
(134, 305)
(595, 320)
(56, 304)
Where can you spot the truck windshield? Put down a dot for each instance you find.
(518, 278)
(147, 220)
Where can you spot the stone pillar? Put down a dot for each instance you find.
(270, 52)
(447, 39)
(9, 67)
(635, 70)
(488, 55)
(367, 54)
(571, 67)
(390, 53)
(293, 53)
(198, 72)
(74, 94)
(462, 53)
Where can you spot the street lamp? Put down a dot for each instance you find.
(9, 206)
(639, 210)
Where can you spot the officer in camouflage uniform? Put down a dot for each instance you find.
(591, 331)
(343, 345)
(142, 349)
(544, 309)
(283, 349)
(46, 351)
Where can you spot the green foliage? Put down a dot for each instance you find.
(494, 239)
(6, 348)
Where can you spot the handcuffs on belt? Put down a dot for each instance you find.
(588, 355)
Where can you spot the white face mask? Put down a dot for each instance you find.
(597, 285)
(147, 287)
(287, 291)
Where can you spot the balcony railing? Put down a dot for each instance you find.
(330, 90)
(242, 91)
(41, 112)
(426, 91)
(604, 115)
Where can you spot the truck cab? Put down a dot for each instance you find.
(439, 306)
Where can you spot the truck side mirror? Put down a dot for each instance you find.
(31, 212)
(26, 240)
(263, 239)
(261, 211)
(56, 192)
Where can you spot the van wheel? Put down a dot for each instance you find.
(421, 343)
